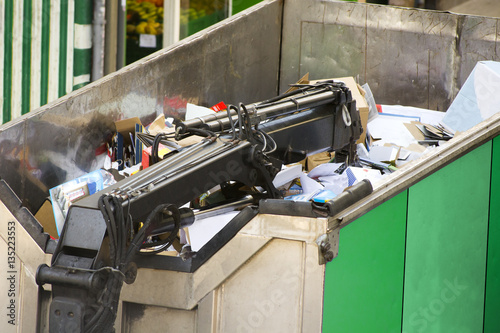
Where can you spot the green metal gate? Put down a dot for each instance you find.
(45, 54)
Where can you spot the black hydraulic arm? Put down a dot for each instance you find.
(247, 144)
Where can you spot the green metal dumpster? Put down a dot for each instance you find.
(419, 254)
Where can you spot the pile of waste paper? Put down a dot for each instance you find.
(392, 136)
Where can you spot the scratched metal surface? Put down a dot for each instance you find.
(407, 56)
(234, 61)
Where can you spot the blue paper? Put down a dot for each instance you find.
(324, 196)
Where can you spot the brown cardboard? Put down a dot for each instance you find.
(417, 134)
(361, 104)
(317, 159)
(158, 125)
(303, 80)
(45, 216)
(127, 126)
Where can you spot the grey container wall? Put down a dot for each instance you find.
(408, 56)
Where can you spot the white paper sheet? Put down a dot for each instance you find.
(201, 231)
(426, 116)
(325, 169)
(391, 130)
(287, 174)
(336, 184)
(195, 111)
(309, 185)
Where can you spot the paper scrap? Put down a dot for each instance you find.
(383, 154)
(287, 174)
(391, 129)
(325, 169)
(425, 116)
(309, 185)
(336, 184)
(202, 231)
(195, 111)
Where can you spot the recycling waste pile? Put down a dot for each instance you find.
(296, 211)
(390, 137)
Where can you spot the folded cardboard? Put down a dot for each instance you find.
(127, 127)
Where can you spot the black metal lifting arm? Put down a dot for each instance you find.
(248, 144)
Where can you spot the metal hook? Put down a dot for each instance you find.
(346, 116)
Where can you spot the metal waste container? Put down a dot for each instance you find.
(419, 254)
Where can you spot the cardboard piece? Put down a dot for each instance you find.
(126, 127)
(128, 140)
(317, 159)
(158, 126)
(417, 134)
(303, 80)
(45, 216)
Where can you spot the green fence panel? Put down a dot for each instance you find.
(364, 284)
(492, 297)
(446, 247)
(36, 55)
(7, 19)
(239, 5)
(26, 57)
